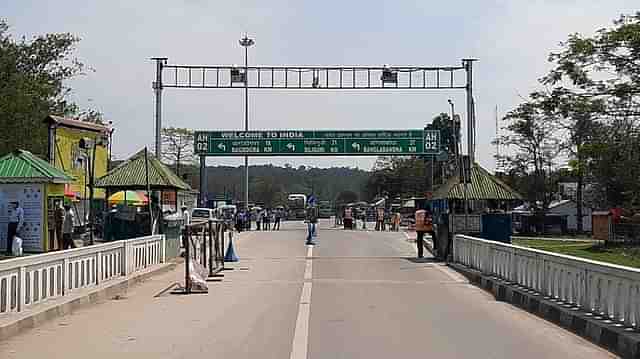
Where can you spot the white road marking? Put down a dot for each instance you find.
(300, 345)
(308, 270)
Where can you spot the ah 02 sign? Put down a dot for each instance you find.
(431, 141)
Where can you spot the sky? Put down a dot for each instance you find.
(510, 38)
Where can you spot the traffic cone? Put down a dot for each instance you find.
(231, 256)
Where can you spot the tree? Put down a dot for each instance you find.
(577, 118)
(605, 69)
(32, 85)
(532, 138)
(345, 197)
(606, 65)
(397, 177)
(177, 147)
(438, 171)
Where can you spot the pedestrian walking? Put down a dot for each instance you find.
(239, 221)
(396, 221)
(16, 221)
(67, 228)
(267, 220)
(258, 219)
(58, 219)
(348, 219)
(276, 220)
(312, 221)
(423, 225)
(380, 219)
(186, 216)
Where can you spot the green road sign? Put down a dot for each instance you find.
(317, 143)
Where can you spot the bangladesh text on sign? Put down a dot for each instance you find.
(316, 143)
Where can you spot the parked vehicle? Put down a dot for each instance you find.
(202, 214)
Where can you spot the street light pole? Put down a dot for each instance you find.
(453, 126)
(246, 42)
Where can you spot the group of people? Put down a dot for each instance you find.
(350, 217)
(63, 228)
(263, 219)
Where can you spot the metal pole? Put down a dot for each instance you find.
(453, 127)
(203, 181)
(468, 66)
(157, 86)
(211, 259)
(148, 187)
(187, 258)
(246, 126)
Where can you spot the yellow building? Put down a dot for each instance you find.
(71, 149)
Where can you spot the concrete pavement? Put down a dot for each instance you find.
(364, 296)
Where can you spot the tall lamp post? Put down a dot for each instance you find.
(453, 126)
(246, 42)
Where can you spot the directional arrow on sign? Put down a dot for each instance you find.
(291, 146)
(222, 146)
(356, 146)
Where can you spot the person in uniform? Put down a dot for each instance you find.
(423, 225)
(312, 222)
(67, 228)
(58, 220)
(348, 219)
(16, 221)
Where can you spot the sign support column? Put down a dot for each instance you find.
(468, 66)
(203, 182)
(157, 86)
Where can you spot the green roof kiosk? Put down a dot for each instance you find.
(35, 184)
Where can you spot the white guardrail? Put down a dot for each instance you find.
(606, 290)
(31, 280)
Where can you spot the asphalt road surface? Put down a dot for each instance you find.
(355, 295)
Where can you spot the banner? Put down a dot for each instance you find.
(31, 199)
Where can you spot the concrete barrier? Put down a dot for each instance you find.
(596, 300)
(27, 282)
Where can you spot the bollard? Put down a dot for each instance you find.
(231, 256)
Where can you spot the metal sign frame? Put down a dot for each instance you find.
(316, 78)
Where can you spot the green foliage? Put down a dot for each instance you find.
(397, 177)
(347, 196)
(603, 104)
(593, 107)
(32, 86)
(621, 255)
(271, 184)
(607, 64)
(534, 146)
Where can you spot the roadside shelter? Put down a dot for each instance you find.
(141, 172)
(36, 185)
(485, 193)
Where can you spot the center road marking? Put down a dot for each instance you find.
(300, 345)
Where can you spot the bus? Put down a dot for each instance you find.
(297, 204)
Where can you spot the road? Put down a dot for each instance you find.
(354, 295)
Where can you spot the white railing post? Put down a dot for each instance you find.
(125, 258)
(163, 259)
(65, 275)
(21, 290)
(98, 267)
